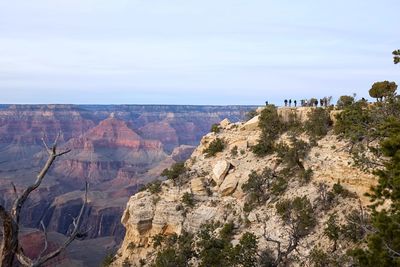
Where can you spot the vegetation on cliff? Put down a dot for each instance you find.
(374, 131)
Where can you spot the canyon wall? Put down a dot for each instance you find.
(117, 149)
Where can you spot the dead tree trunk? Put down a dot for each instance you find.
(10, 247)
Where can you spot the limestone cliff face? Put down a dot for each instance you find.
(216, 184)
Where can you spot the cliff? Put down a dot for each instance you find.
(216, 186)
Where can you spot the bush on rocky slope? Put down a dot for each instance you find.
(214, 147)
(271, 126)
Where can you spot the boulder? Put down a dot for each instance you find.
(251, 124)
(197, 186)
(139, 213)
(229, 184)
(220, 170)
(224, 123)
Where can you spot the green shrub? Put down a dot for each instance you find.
(345, 101)
(318, 258)
(245, 253)
(176, 170)
(131, 246)
(306, 175)
(294, 154)
(218, 251)
(227, 231)
(299, 213)
(278, 186)
(354, 228)
(158, 240)
(339, 190)
(188, 199)
(215, 128)
(234, 151)
(169, 257)
(379, 90)
(332, 230)
(248, 206)
(318, 122)
(214, 147)
(271, 127)
(256, 186)
(354, 122)
(213, 251)
(153, 187)
(177, 252)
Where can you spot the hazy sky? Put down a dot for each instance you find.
(193, 52)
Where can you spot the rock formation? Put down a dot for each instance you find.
(216, 185)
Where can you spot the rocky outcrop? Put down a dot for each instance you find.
(216, 184)
(220, 169)
(197, 186)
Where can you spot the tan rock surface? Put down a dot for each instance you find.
(220, 170)
(197, 186)
(229, 184)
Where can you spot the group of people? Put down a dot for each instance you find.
(313, 102)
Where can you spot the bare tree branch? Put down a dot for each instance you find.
(48, 150)
(23, 259)
(10, 227)
(46, 243)
(75, 232)
(63, 153)
(56, 139)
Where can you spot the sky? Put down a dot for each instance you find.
(219, 52)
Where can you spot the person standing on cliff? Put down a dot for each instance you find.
(285, 102)
(290, 102)
(295, 103)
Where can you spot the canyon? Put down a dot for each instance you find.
(116, 148)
